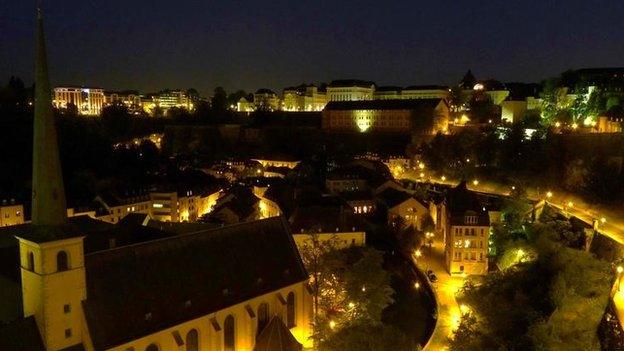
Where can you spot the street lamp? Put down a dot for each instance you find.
(443, 178)
(475, 182)
(417, 285)
(549, 194)
(603, 220)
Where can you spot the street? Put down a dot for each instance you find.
(445, 288)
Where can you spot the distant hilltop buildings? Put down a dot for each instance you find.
(91, 101)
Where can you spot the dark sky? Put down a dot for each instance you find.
(149, 45)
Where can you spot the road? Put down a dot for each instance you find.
(608, 220)
(445, 288)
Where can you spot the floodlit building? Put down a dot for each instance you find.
(427, 116)
(304, 98)
(467, 232)
(611, 121)
(130, 99)
(401, 205)
(11, 213)
(350, 90)
(88, 101)
(425, 92)
(327, 224)
(167, 99)
(266, 100)
(229, 288)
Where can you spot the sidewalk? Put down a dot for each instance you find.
(445, 288)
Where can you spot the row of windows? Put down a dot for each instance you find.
(468, 231)
(192, 341)
(472, 256)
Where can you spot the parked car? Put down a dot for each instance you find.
(432, 277)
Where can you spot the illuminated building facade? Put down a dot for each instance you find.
(167, 206)
(88, 101)
(467, 233)
(11, 213)
(412, 92)
(304, 98)
(216, 289)
(166, 100)
(428, 116)
(130, 99)
(350, 90)
(266, 100)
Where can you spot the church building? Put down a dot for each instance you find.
(235, 288)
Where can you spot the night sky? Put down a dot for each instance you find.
(150, 45)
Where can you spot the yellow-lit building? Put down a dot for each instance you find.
(467, 233)
(401, 205)
(277, 163)
(303, 98)
(164, 206)
(350, 90)
(412, 92)
(130, 99)
(88, 101)
(332, 225)
(266, 100)
(166, 100)
(428, 116)
(244, 105)
(11, 213)
(229, 289)
(513, 111)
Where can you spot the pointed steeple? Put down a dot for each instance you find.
(48, 193)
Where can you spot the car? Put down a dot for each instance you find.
(432, 277)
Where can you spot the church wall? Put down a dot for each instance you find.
(245, 330)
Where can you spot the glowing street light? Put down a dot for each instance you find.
(574, 125)
(549, 194)
(603, 220)
(557, 124)
(619, 269)
(417, 253)
(332, 324)
(421, 165)
(422, 175)
(475, 182)
(417, 285)
(443, 178)
(570, 204)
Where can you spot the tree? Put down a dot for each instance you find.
(219, 102)
(350, 287)
(367, 338)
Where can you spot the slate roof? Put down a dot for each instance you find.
(392, 197)
(276, 337)
(325, 219)
(344, 83)
(425, 105)
(427, 87)
(462, 202)
(21, 335)
(181, 278)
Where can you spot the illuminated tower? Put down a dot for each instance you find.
(51, 251)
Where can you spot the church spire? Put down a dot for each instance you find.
(48, 194)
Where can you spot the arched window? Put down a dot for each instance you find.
(62, 262)
(263, 317)
(290, 310)
(229, 337)
(31, 262)
(152, 347)
(192, 340)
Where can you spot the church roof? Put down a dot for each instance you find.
(277, 337)
(131, 289)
